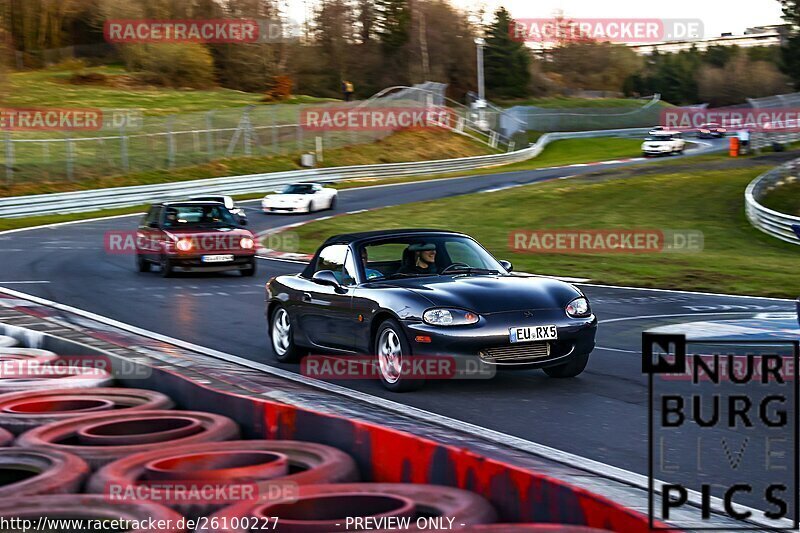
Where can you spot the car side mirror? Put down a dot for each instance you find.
(507, 265)
(243, 221)
(325, 277)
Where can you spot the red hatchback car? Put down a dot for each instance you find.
(194, 236)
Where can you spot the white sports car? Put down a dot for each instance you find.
(300, 198)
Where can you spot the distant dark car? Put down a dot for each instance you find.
(711, 130)
(194, 236)
(236, 210)
(368, 293)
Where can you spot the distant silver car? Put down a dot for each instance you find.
(237, 211)
(663, 143)
(300, 198)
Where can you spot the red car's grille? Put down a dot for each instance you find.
(516, 352)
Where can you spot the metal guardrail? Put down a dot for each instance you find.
(772, 222)
(92, 200)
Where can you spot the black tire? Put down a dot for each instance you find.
(570, 369)
(142, 264)
(166, 267)
(285, 351)
(250, 270)
(333, 203)
(397, 382)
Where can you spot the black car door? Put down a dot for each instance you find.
(325, 312)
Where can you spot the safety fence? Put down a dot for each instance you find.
(81, 201)
(780, 225)
(638, 115)
(130, 142)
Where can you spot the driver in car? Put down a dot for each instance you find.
(371, 273)
(424, 259)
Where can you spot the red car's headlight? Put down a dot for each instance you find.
(184, 245)
(247, 243)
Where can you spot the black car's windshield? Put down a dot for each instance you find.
(298, 189)
(197, 216)
(433, 255)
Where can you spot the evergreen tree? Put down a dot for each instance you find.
(790, 51)
(507, 62)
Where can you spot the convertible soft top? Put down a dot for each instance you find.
(347, 238)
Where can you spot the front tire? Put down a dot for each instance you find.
(391, 349)
(282, 337)
(250, 270)
(568, 370)
(333, 203)
(142, 264)
(166, 267)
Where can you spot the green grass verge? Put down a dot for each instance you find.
(784, 199)
(736, 257)
(568, 102)
(557, 153)
(51, 87)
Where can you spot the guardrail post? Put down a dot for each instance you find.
(123, 148)
(319, 148)
(9, 158)
(70, 158)
(248, 131)
(170, 142)
(273, 122)
(511, 146)
(210, 134)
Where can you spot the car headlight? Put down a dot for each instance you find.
(184, 245)
(579, 307)
(449, 317)
(247, 243)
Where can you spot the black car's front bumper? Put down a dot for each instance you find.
(489, 341)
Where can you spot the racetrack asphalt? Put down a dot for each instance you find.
(601, 415)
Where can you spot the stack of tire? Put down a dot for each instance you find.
(106, 453)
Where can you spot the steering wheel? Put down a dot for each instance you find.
(451, 266)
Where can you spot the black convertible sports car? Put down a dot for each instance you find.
(403, 293)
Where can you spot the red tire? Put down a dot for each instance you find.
(21, 411)
(310, 463)
(27, 355)
(153, 430)
(326, 507)
(91, 507)
(43, 377)
(8, 342)
(30, 472)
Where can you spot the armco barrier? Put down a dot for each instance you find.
(772, 222)
(382, 454)
(82, 201)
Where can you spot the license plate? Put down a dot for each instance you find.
(533, 333)
(216, 258)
